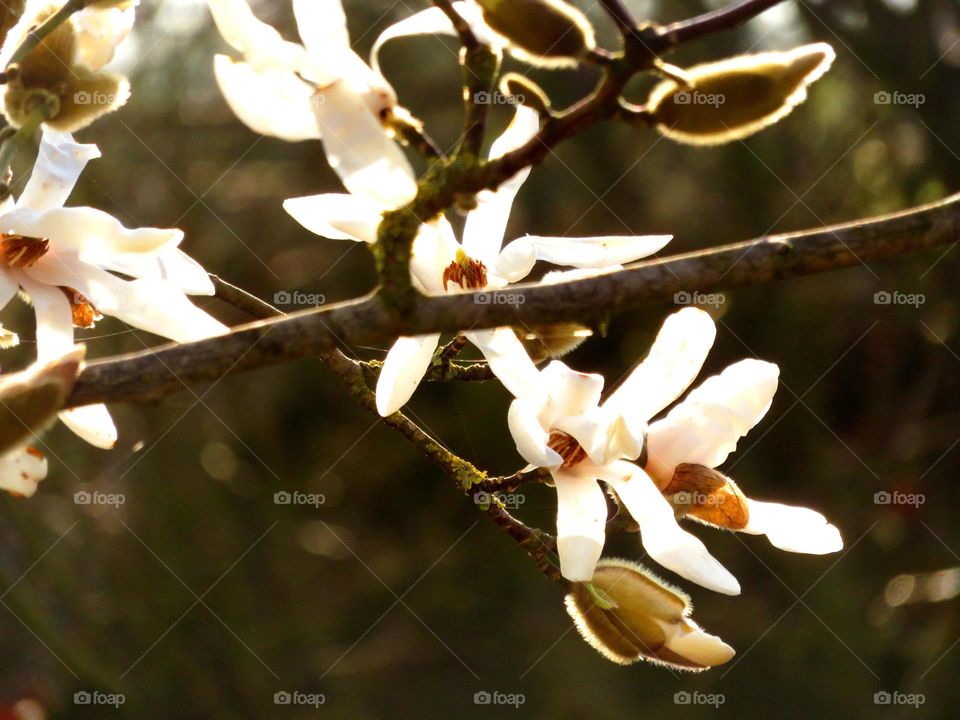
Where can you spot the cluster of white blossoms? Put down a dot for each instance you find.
(75, 265)
(658, 470)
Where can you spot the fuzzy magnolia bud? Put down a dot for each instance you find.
(544, 342)
(734, 98)
(627, 615)
(526, 92)
(50, 81)
(10, 12)
(30, 400)
(709, 496)
(549, 33)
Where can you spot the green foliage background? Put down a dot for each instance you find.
(202, 598)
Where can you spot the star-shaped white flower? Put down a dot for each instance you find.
(441, 264)
(67, 259)
(560, 423)
(319, 90)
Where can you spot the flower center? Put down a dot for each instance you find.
(22, 251)
(567, 447)
(466, 272)
(85, 315)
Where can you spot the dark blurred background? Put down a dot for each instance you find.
(201, 597)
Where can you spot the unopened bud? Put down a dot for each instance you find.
(544, 342)
(734, 98)
(526, 92)
(627, 615)
(549, 33)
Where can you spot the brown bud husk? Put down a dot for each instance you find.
(50, 81)
(734, 98)
(526, 92)
(709, 496)
(550, 342)
(30, 400)
(627, 614)
(10, 12)
(548, 33)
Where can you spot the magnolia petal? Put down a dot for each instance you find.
(273, 102)
(516, 261)
(663, 539)
(406, 364)
(260, 44)
(55, 173)
(574, 393)
(597, 252)
(54, 320)
(435, 22)
(485, 226)
(93, 424)
(529, 433)
(794, 529)
(674, 361)
(700, 647)
(21, 470)
(337, 216)
(705, 428)
(368, 162)
(434, 248)
(507, 358)
(9, 287)
(99, 32)
(322, 24)
(581, 519)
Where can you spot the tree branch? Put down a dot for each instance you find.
(151, 375)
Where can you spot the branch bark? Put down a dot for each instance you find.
(151, 375)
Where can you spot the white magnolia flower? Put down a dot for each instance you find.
(318, 90)
(65, 260)
(441, 265)
(29, 401)
(561, 424)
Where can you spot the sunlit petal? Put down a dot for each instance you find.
(406, 364)
(581, 518)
